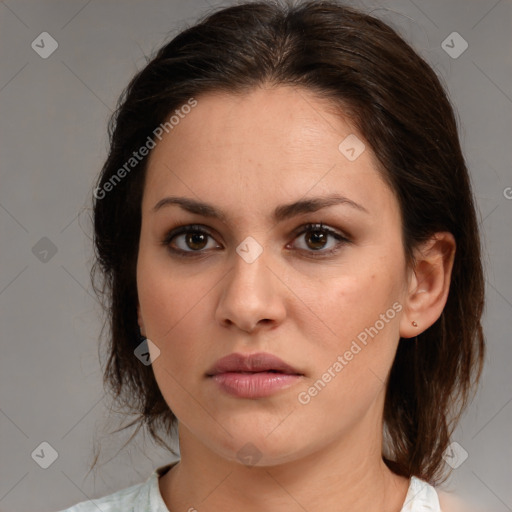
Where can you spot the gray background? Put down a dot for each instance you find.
(53, 141)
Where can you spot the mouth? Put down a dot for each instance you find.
(261, 371)
(251, 364)
(253, 376)
(241, 372)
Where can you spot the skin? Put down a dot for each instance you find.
(247, 154)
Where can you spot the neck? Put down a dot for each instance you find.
(340, 476)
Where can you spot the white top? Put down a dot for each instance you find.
(146, 497)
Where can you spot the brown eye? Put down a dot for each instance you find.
(317, 240)
(187, 240)
(192, 240)
(196, 241)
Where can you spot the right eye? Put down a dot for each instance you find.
(191, 240)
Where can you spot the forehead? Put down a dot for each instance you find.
(261, 148)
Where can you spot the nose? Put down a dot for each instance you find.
(252, 297)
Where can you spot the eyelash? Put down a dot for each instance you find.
(198, 229)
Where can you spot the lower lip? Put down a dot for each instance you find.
(254, 385)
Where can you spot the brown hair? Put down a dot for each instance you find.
(399, 106)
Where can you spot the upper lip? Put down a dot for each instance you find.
(259, 362)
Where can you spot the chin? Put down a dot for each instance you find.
(255, 448)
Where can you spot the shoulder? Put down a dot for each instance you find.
(421, 496)
(451, 503)
(122, 500)
(137, 498)
(445, 501)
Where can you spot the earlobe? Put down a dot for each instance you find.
(429, 284)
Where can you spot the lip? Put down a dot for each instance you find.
(254, 375)
(260, 362)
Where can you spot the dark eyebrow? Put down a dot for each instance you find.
(281, 213)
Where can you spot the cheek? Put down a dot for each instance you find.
(166, 297)
(357, 318)
(173, 306)
(346, 305)
(353, 345)
(169, 304)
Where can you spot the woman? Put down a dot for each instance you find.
(286, 218)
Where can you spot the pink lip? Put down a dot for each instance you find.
(253, 376)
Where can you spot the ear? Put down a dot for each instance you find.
(428, 284)
(140, 321)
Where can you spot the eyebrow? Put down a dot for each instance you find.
(280, 213)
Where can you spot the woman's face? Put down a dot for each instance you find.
(253, 282)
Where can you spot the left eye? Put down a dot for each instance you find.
(317, 238)
(195, 240)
